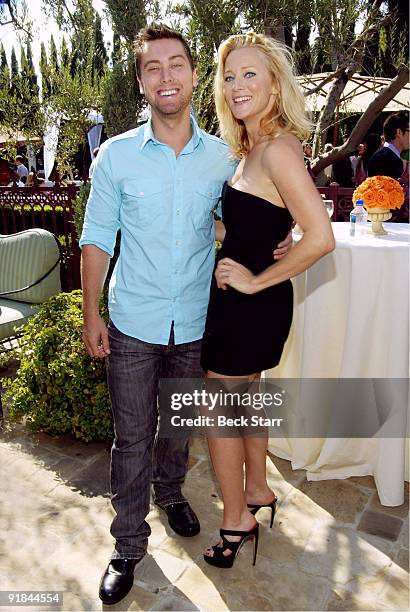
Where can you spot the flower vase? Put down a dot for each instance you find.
(377, 216)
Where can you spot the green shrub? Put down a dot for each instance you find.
(79, 205)
(58, 387)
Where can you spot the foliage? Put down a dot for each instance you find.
(128, 16)
(15, 12)
(100, 57)
(58, 387)
(79, 205)
(73, 82)
(341, 36)
(122, 102)
(19, 103)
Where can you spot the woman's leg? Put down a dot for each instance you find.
(257, 490)
(228, 458)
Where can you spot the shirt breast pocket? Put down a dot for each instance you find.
(143, 202)
(207, 197)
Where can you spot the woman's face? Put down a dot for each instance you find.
(248, 87)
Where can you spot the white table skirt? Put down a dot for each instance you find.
(351, 320)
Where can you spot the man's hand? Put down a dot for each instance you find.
(283, 247)
(234, 274)
(95, 336)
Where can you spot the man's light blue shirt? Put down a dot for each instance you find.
(393, 148)
(163, 206)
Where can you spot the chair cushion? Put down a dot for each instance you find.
(13, 314)
(25, 257)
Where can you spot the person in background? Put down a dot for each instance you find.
(16, 180)
(342, 173)
(325, 176)
(307, 151)
(355, 159)
(5, 171)
(372, 143)
(30, 179)
(91, 169)
(387, 161)
(307, 157)
(20, 167)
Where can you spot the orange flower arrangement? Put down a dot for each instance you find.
(380, 192)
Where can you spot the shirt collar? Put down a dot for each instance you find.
(393, 148)
(197, 135)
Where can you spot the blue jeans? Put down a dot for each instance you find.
(138, 456)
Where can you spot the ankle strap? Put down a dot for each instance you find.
(231, 532)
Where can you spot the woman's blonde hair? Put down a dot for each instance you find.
(289, 113)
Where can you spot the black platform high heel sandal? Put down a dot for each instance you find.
(253, 508)
(220, 560)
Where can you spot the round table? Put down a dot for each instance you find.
(351, 320)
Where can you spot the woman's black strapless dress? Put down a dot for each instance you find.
(244, 333)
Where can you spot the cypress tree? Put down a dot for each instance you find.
(116, 48)
(14, 74)
(4, 70)
(64, 54)
(45, 73)
(53, 55)
(100, 57)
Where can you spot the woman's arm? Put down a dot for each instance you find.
(220, 231)
(283, 164)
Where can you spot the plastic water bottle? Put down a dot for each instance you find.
(358, 219)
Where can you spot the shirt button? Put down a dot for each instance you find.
(141, 193)
(178, 211)
(177, 242)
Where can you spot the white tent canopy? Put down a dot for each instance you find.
(94, 133)
(359, 92)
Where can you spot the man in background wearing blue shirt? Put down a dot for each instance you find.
(159, 184)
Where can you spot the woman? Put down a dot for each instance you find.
(262, 117)
(371, 144)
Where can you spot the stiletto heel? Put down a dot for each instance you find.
(254, 508)
(255, 546)
(220, 560)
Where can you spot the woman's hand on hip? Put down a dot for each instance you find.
(234, 274)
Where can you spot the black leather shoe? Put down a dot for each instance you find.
(117, 580)
(182, 519)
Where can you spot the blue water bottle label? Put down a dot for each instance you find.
(352, 224)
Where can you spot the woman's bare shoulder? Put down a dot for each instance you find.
(281, 151)
(284, 142)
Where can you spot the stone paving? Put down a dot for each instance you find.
(333, 546)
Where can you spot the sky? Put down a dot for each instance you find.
(43, 27)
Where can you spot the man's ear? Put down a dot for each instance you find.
(195, 78)
(140, 86)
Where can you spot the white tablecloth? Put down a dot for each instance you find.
(351, 320)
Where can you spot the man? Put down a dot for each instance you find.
(387, 161)
(20, 167)
(159, 184)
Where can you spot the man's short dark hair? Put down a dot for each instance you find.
(158, 31)
(397, 121)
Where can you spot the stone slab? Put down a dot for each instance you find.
(380, 524)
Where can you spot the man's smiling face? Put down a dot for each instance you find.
(167, 79)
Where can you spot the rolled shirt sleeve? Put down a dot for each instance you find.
(102, 214)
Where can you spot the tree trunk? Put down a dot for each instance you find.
(364, 123)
